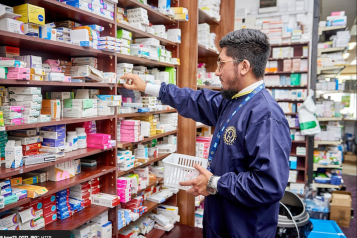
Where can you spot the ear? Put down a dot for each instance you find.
(245, 67)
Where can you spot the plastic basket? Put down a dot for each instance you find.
(179, 168)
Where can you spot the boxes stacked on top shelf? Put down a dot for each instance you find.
(121, 18)
(211, 7)
(206, 38)
(328, 108)
(130, 130)
(331, 132)
(169, 144)
(206, 78)
(98, 226)
(292, 94)
(336, 19)
(332, 85)
(101, 8)
(125, 158)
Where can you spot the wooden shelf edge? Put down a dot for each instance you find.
(137, 114)
(152, 160)
(157, 181)
(80, 153)
(63, 120)
(77, 219)
(103, 170)
(123, 144)
(49, 83)
(205, 18)
(138, 60)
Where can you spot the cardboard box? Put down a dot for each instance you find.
(63, 171)
(350, 158)
(340, 208)
(31, 14)
(7, 24)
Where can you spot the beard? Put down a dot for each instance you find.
(231, 91)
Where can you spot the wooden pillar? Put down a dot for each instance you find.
(187, 72)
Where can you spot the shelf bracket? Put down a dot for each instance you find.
(110, 56)
(110, 25)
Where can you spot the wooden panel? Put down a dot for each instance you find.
(123, 144)
(186, 140)
(181, 230)
(205, 18)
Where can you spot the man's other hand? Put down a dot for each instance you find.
(134, 82)
(199, 184)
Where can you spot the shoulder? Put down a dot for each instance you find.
(264, 107)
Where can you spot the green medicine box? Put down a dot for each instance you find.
(295, 79)
(78, 103)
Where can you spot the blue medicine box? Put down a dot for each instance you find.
(325, 229)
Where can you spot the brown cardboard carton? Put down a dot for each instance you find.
(340, 209)
(350, 158)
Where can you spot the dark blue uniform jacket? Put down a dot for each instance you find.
(252, 159)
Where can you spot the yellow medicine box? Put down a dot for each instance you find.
(179, 10)
(31, 14)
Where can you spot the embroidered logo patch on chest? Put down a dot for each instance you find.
(230, 135)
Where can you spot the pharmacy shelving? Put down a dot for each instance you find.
(286, 72)
(155, 16)
(209, 87)
(63, 120)
(73, 155)
(205, 18)
(333, 91)
(86, 174)
(206, 52)
(18, 83)
(152, 159)
(137, 114)
(124, 144)
(326, 68)
(329, 50)
(329, 118)
(142, 34)
(326, 142)
(294, 57)
(121, 58)
(330, 166)
(151, 184)
(330, 28)
(201, 126)
(290, 100)
(322, 185)
(288, 87)
(273, 14)
(25, 42)
(77, 219)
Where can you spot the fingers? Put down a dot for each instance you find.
(199, 168)
(187, 183)
(128, 76)
(193, 192)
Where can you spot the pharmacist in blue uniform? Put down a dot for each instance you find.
(248, 164)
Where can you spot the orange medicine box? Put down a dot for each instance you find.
(31, 147)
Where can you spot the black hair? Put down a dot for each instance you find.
(249, 44)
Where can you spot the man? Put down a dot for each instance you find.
(249, 156)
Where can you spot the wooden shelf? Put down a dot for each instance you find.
(290, 113)
(322, 185)
(289, 44)
(141, 34)
(287, 87)
(295, 57)
(155, 17)
(289, 100)
(49, 46)
(330, 28)
(329, 118)
(155, 233)
(297, 155)
(204, 52)
(153, 183)
(151, 160)
(338, 67)
(201, 126)
(295, 127)
(209, 87)
(121, 58)
(333, 91)
(63, 120)
(349, 119)
(20, 83)
(137, 114)
(330, 166)
(87, 173)
(272, 14)
(80, 153)
(284, 72)
(300, 168)
(205, 18)
(123, 144)
(328, 50)
(77, 219)
(298, 141)
(319, 142)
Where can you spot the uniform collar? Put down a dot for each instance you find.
(248, 89)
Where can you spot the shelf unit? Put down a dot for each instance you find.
(107, 168)
(329, 118)
(298, 54)
(326, 142)
(321, 185)
(330, 166)
(272, 14)
(330, 28)
(329, 50)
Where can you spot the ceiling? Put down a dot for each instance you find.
(349, 6)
